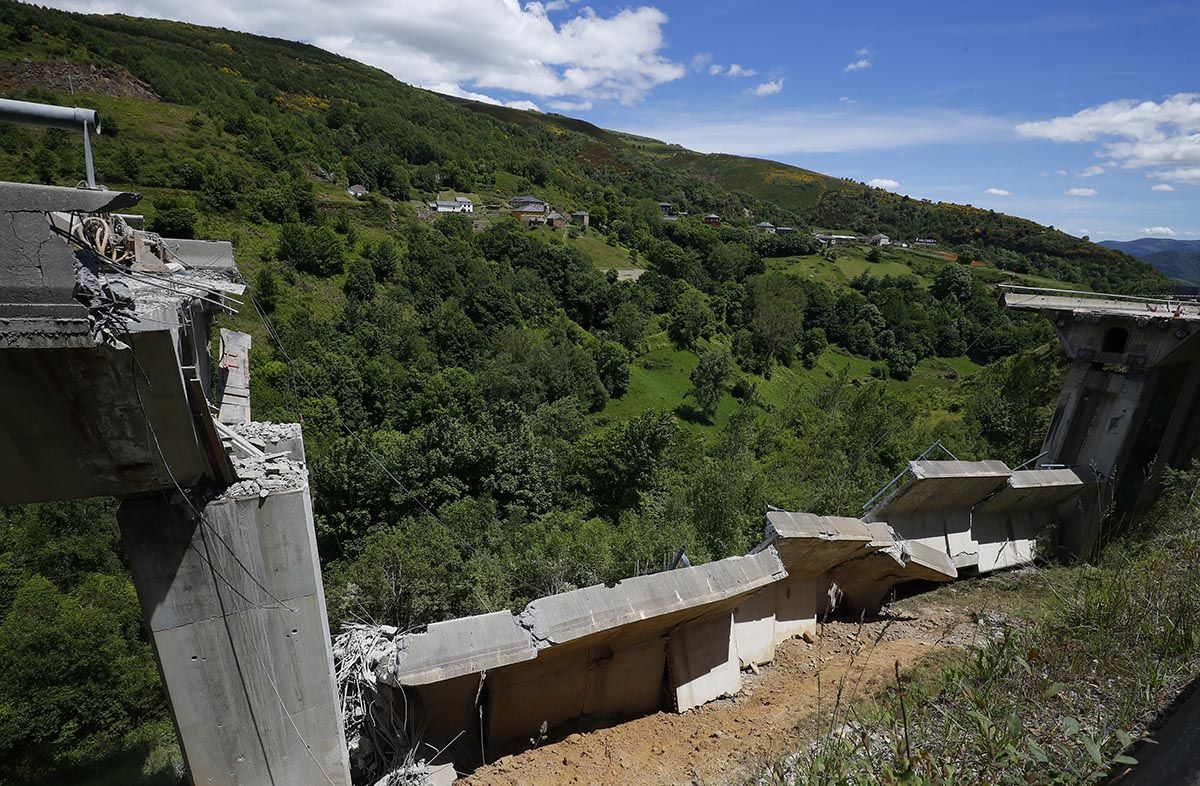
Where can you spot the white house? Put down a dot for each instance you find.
(459, 205)
(880, 240)
(357, 191)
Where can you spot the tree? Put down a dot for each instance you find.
(708, 380)
(383, 257)
(953, 283)
(874, 254)
(777, 305)
(266, 288)
(691, 319)
(313, 249)
(628, 323)
(360, 280)
(174, 217)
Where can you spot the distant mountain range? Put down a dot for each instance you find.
(1178, 260)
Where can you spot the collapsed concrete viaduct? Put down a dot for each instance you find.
(108, 390)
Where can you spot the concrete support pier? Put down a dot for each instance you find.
(1129, 401)
(231, 592)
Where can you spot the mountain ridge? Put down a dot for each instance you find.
(1178, 260)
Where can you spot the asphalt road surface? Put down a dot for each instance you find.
(1175, 760)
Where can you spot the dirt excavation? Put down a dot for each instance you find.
(731, 740)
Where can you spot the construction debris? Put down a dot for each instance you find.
(110, 305)
(260, 475)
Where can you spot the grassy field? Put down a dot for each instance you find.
(594, 245)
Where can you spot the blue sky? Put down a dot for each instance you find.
(1079, 115)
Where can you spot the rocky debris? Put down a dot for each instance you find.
(259, 476)
(263, 434)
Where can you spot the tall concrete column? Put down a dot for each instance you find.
(235, 606)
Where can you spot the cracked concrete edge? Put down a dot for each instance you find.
(550, 620)
(437, 654)
(37, 198)
(781, 524)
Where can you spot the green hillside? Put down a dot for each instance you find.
(544, 424)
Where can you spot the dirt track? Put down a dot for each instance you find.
(728, 741)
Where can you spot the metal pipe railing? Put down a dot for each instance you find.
(50, 116)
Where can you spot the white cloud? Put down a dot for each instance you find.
(1162, 187)
(1162, 231)
(528, 105)
(733, 70)
(885, 183)
(843, 129)
(1189, 174)
(571, 106)
(862, 60)
(1135, 134)
(997, 192)
(1081, 192)
(769, 88)
(494, 45)
(1092, 171)
(1082, 232)
(846, 100)
(1062, 172)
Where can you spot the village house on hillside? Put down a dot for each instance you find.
(712, 219)
(839, 240)
(556, 220)
(880, 240)
(766, 227)
(527, 208)
(457, 205)
(581, 217)
(357, 190)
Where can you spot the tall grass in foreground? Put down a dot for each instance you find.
(1058, 700)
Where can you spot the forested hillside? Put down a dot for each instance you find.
(491, 414)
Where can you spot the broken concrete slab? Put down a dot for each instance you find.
(934, 505)
(1007, 524)
(865, 581)
(568, 616)
(1034, 488)
(809, 544)
(942, 485)
(455, 648)
(704, 661)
